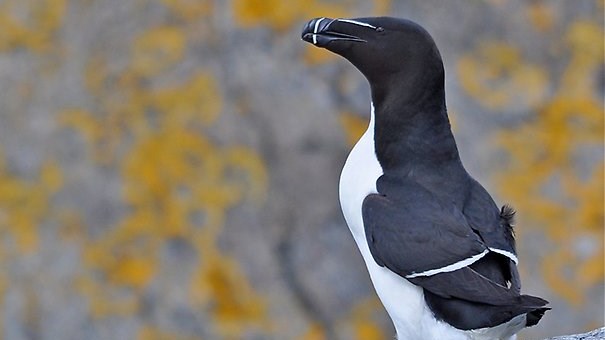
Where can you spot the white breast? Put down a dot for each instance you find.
(403, 301)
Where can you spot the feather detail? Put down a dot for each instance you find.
(507, 213)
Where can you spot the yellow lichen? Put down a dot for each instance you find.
(495, 76)
(316, 56)
(353, 125)
(280, 15)
(157, 50)
(24, 205)
(156, 333)
(367, 330)
(314, 332)
(362, 319)
(382, 7)
(132, 271)
(190, 9)
(541, 15)
(33, 30)
(196, 101)
(234, 304)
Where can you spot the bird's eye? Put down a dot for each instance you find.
(379, 29)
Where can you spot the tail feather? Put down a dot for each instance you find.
(534, 316)
(467, 315)
(535, 309)
(529, 301)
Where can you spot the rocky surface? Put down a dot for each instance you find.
(593, 335)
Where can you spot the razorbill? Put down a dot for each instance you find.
(440, 253)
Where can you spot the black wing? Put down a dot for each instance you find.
(417, 233)
(430, 242)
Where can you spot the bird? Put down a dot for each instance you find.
(439, 251)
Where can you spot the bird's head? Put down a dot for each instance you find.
(384, 49)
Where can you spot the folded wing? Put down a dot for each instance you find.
(431, 243)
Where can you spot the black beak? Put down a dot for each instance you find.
(319, 32)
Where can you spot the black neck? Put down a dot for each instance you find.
(412, 129)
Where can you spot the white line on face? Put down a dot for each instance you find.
(358, 23)
(315, 31)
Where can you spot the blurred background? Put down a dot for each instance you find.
(169, 168)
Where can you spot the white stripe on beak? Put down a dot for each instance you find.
(315, 31)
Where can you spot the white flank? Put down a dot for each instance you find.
(507, 254)
(358, 23)
(315, 30)
(451, 267)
